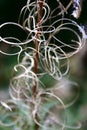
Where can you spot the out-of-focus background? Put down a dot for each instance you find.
(9, 12)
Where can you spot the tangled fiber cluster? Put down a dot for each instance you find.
(43, 43)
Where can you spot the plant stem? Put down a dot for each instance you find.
(36, 47)
(36, 55)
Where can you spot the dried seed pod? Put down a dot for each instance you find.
(77, 8)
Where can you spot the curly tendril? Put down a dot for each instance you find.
(43, 42)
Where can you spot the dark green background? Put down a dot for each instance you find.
(10, 9)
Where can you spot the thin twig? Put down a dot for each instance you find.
(36, 46)
(36, 54)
